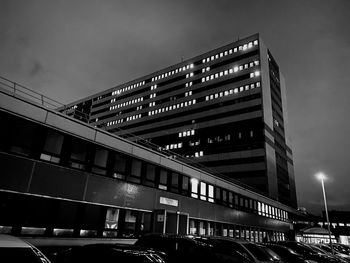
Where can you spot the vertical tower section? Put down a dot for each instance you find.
(270, 154)
(279, 157)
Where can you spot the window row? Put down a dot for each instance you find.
(173, 146)
(172, 107)
(231, 51)
(186, 133)
(205, 69)
(37, 216)
(232, 91)
(188, 84)
(133, 117)
(189, 75)
(253, 234)
(130, 87)
(175, 71)
(126, 103)
(235, 69)
(115, 122)
(270, 211)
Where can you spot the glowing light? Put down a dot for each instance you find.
(321, 176)
(257, 73)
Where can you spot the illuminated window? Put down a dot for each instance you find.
(194, 187)
(211, 193)
(203, 191)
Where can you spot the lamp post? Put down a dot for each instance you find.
(322, 177)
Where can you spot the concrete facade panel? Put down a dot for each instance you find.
(111, 141)
(23, 108)
(56, 181)
(67, 125)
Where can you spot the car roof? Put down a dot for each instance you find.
(237, 240)
(11, 241)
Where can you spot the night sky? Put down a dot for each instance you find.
(71, 49)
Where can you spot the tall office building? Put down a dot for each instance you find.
(225, 109)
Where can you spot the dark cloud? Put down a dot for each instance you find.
(35, 68)
(71, 49)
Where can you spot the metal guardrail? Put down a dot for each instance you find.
(21, 91)
(17, 90)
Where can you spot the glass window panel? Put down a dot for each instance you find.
(22, 137)
(119, 165)
(203, 190)
(78, 150)
(53, 142)
(224, 196)
(194, 187)
(136, 168)
(130, 224)
(101, 156)
(163, 179)
(150, 175)
(175, 182)
(151, 172)
(230, 198)
(218, 194)
(210, 193)
(112, 218)
(193, 227)
(185, 184)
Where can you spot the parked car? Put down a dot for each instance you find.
(334, 256)
(341, 248)
(187, 249)
(338, 249)
(13, 249)
(308, 252)
(287, 254)
(253, 252)
(100, 253)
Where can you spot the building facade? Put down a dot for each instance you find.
(61, 177)
(225, 109)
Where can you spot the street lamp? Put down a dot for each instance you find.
(320, 176)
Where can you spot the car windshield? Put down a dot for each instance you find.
(25, 254)
(258, 252)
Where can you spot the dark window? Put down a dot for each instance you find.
(130, 224)
(135, 175)
(241, 201)
(185, 185)
(230, 199)
(52, 147)
(224, 197)
(100, 161)
(22, 137)
(163, 179)
(150, 175)
(246, 203)
(119, 165)
(175, 182)
(78, 154)
(218, 195)
(236, 201)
